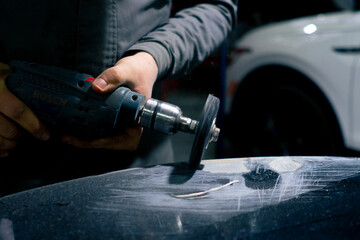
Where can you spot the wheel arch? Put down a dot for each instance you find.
(261, 77)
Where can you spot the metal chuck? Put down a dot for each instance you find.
(168, 118)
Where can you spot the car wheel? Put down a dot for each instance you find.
(283, 118)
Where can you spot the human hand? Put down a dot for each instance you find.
(139, 73)
(15, 116)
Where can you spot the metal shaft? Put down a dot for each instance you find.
(166, 118)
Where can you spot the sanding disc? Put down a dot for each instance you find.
(204, 130)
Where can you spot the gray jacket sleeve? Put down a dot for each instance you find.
(189, 36)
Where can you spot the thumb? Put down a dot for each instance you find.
(107, 81)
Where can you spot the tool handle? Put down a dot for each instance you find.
(64, 100)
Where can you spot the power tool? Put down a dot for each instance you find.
(64, 100)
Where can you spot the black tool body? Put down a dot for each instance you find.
(64, 101)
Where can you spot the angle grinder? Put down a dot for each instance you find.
(65, 102)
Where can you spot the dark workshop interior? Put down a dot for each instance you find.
(265, 132)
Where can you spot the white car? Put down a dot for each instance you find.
(294, 88)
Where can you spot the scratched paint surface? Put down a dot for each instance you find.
(228, 198)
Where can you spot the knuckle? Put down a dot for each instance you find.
(6, 144)
(8, 129)
(12, 133)
(116, 75)
(17, 112)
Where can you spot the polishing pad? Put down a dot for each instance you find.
(206, 131)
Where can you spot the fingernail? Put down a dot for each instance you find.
(101, 83)
(45, 136)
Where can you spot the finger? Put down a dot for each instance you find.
(16, 110)
(108, 80)
(8, 129)
(128, 140)
(4, 70)
(7, 144)
(76, 142)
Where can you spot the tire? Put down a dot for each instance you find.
(284, 118)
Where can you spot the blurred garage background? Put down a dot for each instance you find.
(254, 130)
